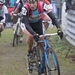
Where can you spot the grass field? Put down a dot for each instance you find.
(13, 59)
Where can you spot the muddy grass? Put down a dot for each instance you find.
(13, 59)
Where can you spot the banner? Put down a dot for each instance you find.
(9, 22)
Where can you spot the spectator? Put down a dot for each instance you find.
(68, 5)
(12, 2)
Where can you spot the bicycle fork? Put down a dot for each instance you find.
(45, 57)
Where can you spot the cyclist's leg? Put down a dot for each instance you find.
(21, 37)
(29, 41)
(16, 11)
(2, 24)
(1, 27)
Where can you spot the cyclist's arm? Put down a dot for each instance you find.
(17, 9)
(54, 19)
(5, 14)
(51, 15)
(26, 21)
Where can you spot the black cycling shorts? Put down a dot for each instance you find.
(37, 27)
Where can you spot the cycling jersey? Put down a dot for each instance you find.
(34, 15)
(3, 12)
(31, 18)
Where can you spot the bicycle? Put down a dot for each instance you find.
(45, 63)
(17, 29)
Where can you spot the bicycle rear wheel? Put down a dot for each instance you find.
(52, 66)
(16, 36)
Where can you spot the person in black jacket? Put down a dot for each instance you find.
(68, 5)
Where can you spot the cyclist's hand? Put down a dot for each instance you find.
(60, 33)
(36, 37)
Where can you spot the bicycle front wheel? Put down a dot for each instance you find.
(16, 36)
(52, 65)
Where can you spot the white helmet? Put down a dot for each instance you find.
(2, 1)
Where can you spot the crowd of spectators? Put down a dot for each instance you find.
(10, 3)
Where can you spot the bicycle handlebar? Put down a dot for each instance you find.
(19, 14)
(48, 35)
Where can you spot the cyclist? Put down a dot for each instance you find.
(33, 22)
(3, 15)
(17, 9)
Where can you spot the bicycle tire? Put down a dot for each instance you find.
(54, 68)
(16, 37)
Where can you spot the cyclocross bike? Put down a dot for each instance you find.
(45, 63)
(17, 30)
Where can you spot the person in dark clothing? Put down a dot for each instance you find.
(68, 5)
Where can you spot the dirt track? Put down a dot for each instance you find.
(13, 59)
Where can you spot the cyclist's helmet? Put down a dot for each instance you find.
(2, 1)
(32, 0)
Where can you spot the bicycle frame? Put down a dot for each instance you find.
(44, 54)
(44, 61)
(45, 57)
